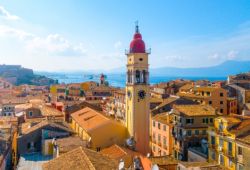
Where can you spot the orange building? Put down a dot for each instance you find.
(161, 135)
(213, 95)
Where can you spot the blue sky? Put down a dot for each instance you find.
(88, 35)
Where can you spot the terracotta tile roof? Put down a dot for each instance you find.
(200, 165)
(167, 101)
(89, 118)
(50, 111)
(244, 138)
(155, 100)
(81, 159)
(205, 88)
(116, 152)
(146, 163)
(162, 118)
(30, 126)
(164, 160)
(69, 143)
(195, 110)
(187, 87)
(75, 159)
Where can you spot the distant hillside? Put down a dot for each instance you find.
(17, 75)
(222, 70)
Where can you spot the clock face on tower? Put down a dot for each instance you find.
(141, 94)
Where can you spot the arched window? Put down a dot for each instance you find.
(144, 76)
(137, 76)
(131, 76)
(128, 76)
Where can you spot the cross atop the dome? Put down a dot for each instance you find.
(136, 27)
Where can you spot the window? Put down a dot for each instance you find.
(164, 127)
(211, 120)
(213, 155)
(239, 150)
(159, 138)
(221, 142)
(221, 159)
(137, 76)
(230, 163)
(221, 110)
(212, 140)
(208, 93)
(230, 147)
(164, 141)
(153, 135)
(30, 113)
(189, 121)
(221, 94)
(175, 154)
(196, 132)
(221, 102)
(159, 125)
(153, 123)
(204, 132)
(28, 145)
(189, 132)
(205, 120)
(221, 127)
(154, 148)
(210, 102)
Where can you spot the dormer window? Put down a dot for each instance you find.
(30, 113)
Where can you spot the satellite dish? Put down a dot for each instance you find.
(155, 167)
(171, 111)
(121, 165)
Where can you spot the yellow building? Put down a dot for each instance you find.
(96, 129)
(214, 96)
(222, 139)
(137, 93)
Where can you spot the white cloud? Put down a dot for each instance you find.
(118, 44)
(232, 55)
(214, 56)
(5, 14)
(53, 44)
(13, 32)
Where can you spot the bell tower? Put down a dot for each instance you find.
(137, 93)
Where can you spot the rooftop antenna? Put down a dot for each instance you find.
(136, 26)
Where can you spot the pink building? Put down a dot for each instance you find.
(161, 135)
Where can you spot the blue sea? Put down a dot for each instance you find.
(118, 80)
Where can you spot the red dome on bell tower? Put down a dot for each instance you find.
(137, 45)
